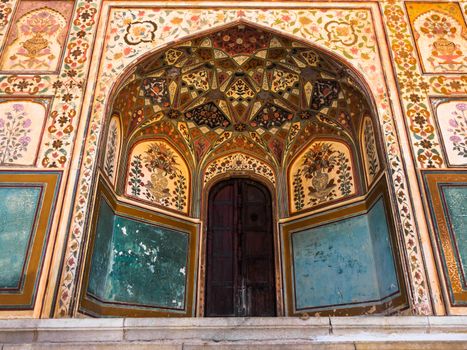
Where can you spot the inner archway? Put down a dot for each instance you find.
(240, 250)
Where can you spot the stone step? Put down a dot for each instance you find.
(344, 333)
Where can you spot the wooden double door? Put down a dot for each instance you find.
(240, 250)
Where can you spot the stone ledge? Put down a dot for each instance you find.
(233, 333)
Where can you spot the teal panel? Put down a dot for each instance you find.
(455, 198)
(18, 207)
(100, 262)
(334, 264)
(149, 265)
(382, 250)
(136, 263)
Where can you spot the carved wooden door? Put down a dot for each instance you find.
(240, 250)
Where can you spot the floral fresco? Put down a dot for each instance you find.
(452, 120)
(21, 127)
(369, 150)
(172, 24)
(36, 41)
(238, 163)
(322, 173)
(441, 36)
(158, 174)
(112, 148)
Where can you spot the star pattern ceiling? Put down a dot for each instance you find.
(243, 83)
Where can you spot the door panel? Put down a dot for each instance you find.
(240, 251)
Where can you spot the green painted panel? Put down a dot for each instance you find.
(18, 207)
(137, 263)
(455, 201)
(102, 249)
(148, 265)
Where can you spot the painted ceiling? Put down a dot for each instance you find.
(241, 87)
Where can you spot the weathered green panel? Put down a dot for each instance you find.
(18, 207)
(382, 250)
(137, 263)
(456, 215)
(100, 262)
(148, 265)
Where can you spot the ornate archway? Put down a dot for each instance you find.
(296, 114)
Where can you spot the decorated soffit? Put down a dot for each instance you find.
(243, 84)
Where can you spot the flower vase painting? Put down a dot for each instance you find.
(322, 173)
(159, 175)
(21, 127)
(440, 35)
(36, 39)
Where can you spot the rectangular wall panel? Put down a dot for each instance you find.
(18, 217)
(447, 198)
(27, 201)
(140, 263)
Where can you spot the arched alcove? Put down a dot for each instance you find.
(244, 100)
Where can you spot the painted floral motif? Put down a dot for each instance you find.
(284, 81)
(198, 79)
(452, 120)
(208, 114)
(322, 174)
(324, 93)
(156, 90)
(159, 175)
(412, 85)
(242, 40)
(37, 47)
(440, 41)
(238, 162)
(370, 154)
(19, 85)
(140, 32)
(424, 142)
(271, 115)
(459, 129)
(15, 127)
(240, 91)
(5, 11)
(111, 155)
(342, 32)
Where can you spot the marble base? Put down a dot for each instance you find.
(236, 333)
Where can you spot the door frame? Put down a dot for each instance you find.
(200, 307)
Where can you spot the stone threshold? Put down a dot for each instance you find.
(364, 332)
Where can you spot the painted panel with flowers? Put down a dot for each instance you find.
(440, 34)
(112, 149)
(238, 162)
(159, 175)
(369, 150)
(452, 121)
(37, 37)
(21, 128)
(322, 173)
